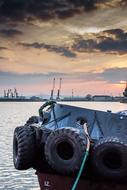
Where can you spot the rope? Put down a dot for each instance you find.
(55, 119)
(59, 118)
(48, 103)
(84, 159)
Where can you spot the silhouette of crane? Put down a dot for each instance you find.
(15, 93)
(52, 91)
(58, 93)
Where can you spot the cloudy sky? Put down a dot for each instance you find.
(82, 41)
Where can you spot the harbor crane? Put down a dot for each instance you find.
(58, 93)
(52, 91)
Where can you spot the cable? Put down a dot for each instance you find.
(84, 159)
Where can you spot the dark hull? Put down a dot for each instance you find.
(58, 182)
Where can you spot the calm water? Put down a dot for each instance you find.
(15, 114)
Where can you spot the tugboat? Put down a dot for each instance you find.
(73, 148)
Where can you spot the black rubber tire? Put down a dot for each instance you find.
(24, 143)
(65, 149)
(109, 158)
(40, 163)
(32, 120)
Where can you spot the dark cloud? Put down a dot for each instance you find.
(20, 9)
(10, 32)
(119, 33)
(3, 48)
(53, 48)
(123, 2)
(47, 9)
(112, 76)
(2, 57)
(82, 45)
(10, 78)
(111, 41)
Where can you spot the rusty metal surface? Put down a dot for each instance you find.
(58, 182)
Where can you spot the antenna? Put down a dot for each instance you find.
(72, 93)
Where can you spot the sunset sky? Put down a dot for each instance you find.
(84, 42)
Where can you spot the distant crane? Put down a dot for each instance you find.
(52, 91)
(10, 93)
(58, 93)
(15, 93)
(5, 94)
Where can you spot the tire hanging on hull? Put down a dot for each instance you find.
(64, 150)
(109, 158)
(33, 120)
(24, 145)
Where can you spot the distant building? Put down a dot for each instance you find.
(35, 98)
(75, 98)
(88, 97)
(21, 97)
(102, 98)
(117, 98)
